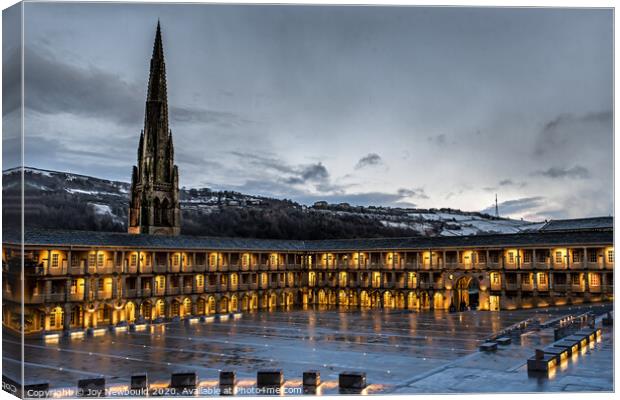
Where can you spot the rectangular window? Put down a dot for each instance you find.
(592, 256)
(74, 286)
(133, 260)
(576, 256)
(575, 279)
(494, 257)
(558, 257)
(594, 280)
(527, 257)
(482, 258)
(75, 261)
(511, 257)
(175, 260)
(100, 260)
(91, 260)
(495, 278)
(233, 279)
(525, 279)
(542, 279)
(100, 285)
(213, 259)
(610, 256)
(55, 260)
(199, 280)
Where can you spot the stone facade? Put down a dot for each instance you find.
(154, 206)
(80, 284)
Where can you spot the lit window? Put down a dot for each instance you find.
(213, 259)
(100, 285)
(133, 261)
(558, 257)
(527, 257)
(576, 256)
(100, 260)
(542, 279)
(610, 256)
(525, 279)
(495, 278)
(175, 260)
(199, 280)
(162, 282)
(74, 286)
(91, 260)
(233, 279)
(511, 257)
(594, 280)
(245, 260)
(54, 260)
(575, 279)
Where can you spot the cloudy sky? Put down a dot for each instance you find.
(432, 107)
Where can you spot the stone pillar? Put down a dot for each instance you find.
(68, 290)
(48, 288)
(67, 317)
(86, 289)
(139, 286)
(68, 262)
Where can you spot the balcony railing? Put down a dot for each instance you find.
(55, 297)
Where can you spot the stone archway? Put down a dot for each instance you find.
(467, 293)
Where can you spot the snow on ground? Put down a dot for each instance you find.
(102, 209)
(91, 192)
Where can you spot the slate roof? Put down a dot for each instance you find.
(60, 238)
(579, 224)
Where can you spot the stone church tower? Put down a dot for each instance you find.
(154, 206)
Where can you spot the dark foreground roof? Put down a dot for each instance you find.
(113, 239)
(580, 224)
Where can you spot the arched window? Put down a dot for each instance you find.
(165, 217)
(156, 212)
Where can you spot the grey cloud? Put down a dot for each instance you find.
(369, 160)
(315, 173)
(517, 206)
(568, 128)
(55, 87)
(510, 182)
(415, 192)
(440, 139)
(577, 172)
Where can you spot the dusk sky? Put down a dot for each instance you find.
(432, 107)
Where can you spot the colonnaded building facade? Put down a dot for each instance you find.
(71, 280)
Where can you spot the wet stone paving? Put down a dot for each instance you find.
(401, 351)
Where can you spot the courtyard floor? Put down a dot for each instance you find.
(401, 352)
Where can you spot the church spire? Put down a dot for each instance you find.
(154, 204)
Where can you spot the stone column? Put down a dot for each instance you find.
(68, 262)
(67, 317)
(68, 290)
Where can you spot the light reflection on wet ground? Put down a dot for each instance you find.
(391, 346)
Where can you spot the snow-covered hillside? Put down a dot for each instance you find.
(61, 199)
